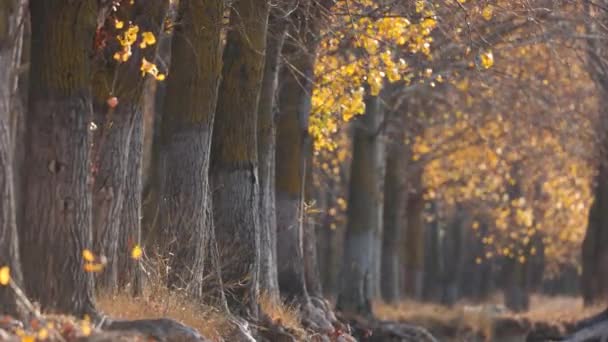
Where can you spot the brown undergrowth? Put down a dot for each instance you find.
(467, 321)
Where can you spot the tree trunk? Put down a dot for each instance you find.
(433, 259)
(277, 26)
(189, 110)
(380, 170)
(325, 244)
(414, 244)
(516, 293)
(363, 214)
(114, 142)
(57, 201)
(311, 260)
(594, 279)
(154, 100)
(129, 271)
(11, 31)
(453, 256)
(294, 105)
(234, 170)
(394, 218)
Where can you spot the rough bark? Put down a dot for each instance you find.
(129, 271)
(11, 21)
(277, 26)
(311, 221)
(379, 162)
(234, 167)
(363, 213)
(153, 141)
(189, 110)
(294, 105)
(594, 279)
(57, 201)
(325, 243)
(414, 242)
(394, 218)
(114, 142)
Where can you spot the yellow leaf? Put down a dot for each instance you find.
(85, 326)
(28, 338)
(93, 267)
(119, 24)
(43, 334)
(137, 252)
(5, 275)
(150, 68)
(487, 59)
(487, 12)
(88, 255)
(147, 38)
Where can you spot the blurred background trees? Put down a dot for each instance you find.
(357, 150)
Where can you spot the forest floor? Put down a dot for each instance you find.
(474, 322)
(491, 321)
(488, 321)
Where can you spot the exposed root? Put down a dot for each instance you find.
(591, 329)
(161, 329)
(372, 330)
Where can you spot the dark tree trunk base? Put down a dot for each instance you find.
(162, 329)
(371, 330)
(591, 329)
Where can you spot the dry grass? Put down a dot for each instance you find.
(159, 302)
(437, 318)
(283, 314)
(477, 317)
(559, 309)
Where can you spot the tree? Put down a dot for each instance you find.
(187, 126)
(364, 212)
(296, 246)
(414, 240)
(234, 160)
(266, 125)
(395, 196)
(57, 201)
(594, 254)
(118, 142)
(291, 155)
(11, 31)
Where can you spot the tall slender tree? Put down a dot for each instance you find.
(294, 106)
(11, 32)
(294, 150)
(118, 140)
(364, 212)
(234, 166)
(277, 28)
(594, 255)
(187, 125)
(414, 240)
(57, 200)
(395, 195)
